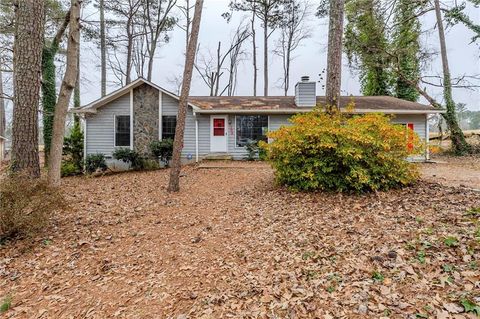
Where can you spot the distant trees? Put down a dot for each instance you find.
(212, 66)
(269, 13)
(293, 31)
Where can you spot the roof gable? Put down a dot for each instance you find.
(93, 106)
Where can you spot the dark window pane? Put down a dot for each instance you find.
(251, 128)
(122, 130)
(169, 123)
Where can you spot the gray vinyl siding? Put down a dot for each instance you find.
(170, 107)
(419, 123)
(101, 126)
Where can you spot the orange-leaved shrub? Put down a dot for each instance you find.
(343, 153)
(26, 206)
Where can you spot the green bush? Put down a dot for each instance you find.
(162, 149)
(252, 150)
(94, 163)
(73, 147)
(129, 156)
(69, 169)
(342, 153)
(26, 205)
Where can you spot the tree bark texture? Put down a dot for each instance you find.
(334, 55)
(68, 85)
(27, 64)
(254, 53)
(103, 49)
(265, 56)
(174, 184)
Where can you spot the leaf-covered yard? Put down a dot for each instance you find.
(231, 245)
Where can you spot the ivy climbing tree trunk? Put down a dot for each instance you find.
(334, 55)
(27, 65)
(459, 144)
(68, 85)
(174, 184)
(49, 97)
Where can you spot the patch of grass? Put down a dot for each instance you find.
(331, 289)
(477, 232)
(450, 241)
(308, 255)
(421, 315)
(470, 306)
(428, 230)
(377, 276)
(419, 219)
(426, 244)
(473, 212)
(421, 257)
(6, 304)
(473, 265)
(448, 268)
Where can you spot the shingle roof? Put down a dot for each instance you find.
(287, 104)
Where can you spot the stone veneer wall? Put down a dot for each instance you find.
(145, 117)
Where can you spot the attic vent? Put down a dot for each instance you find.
(306, 93)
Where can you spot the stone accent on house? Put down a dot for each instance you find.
(145, 117)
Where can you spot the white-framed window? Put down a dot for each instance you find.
(122, 130)
(250, 128)
(169, 124)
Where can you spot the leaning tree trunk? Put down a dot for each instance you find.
(174, 184)
(27, 65)
(66, 89)
(334, 56)
(49, 85)
(103, 49)
(459, 144)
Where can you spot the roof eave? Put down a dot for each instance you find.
(306, 110)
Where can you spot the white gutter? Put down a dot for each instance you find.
(306, 110)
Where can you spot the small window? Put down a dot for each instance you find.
(122, 130)
(169, 124)
(251, 128)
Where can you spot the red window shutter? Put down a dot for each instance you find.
(410, 136)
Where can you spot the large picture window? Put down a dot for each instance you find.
(251, 128)
(122, 130)
(169, 123)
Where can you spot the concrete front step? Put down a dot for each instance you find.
(218, 157)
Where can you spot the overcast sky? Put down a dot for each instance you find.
(311, 58)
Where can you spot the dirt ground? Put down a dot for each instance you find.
(453, 171)
(233, 245)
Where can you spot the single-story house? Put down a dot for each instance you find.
(3, 142)
(141, 112)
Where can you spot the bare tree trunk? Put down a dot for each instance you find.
(174, 185)
(3, 121)
(68, 85)
(128, 71)
(254, 44)
(27, 65)
(334, 56)
(103, 48)
(458, 139)
(265, 58)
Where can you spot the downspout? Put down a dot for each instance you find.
(84, 120)
(427, 138)
(196, 137)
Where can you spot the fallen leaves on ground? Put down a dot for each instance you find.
(233, 245)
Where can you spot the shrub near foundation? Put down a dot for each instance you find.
(343, 153)
(26, 206)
